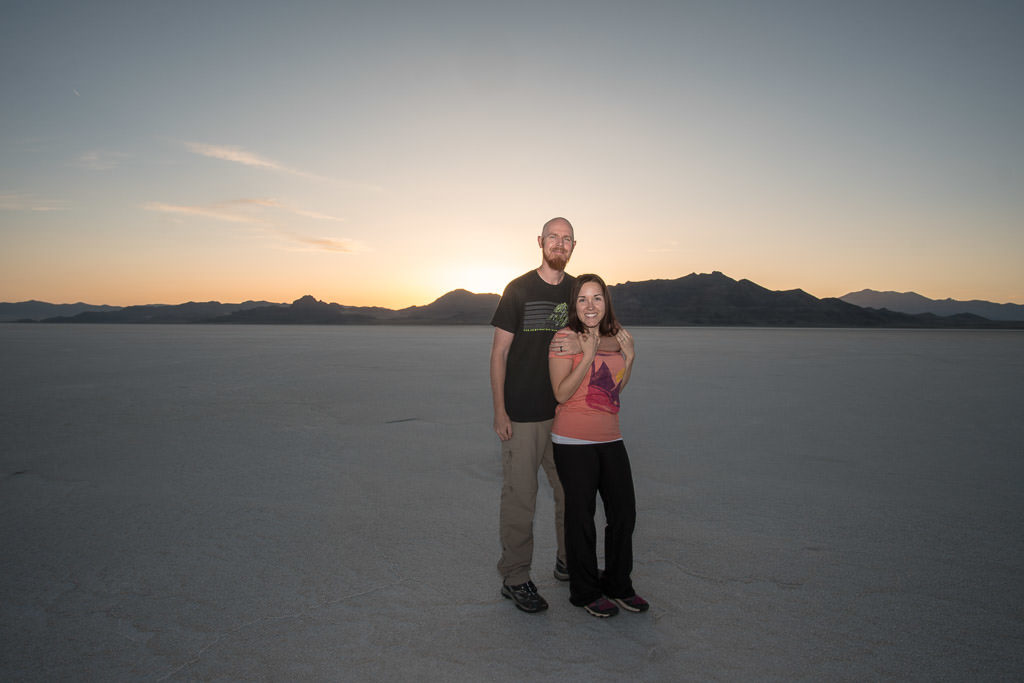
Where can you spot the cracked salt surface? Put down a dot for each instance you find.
(316, 503)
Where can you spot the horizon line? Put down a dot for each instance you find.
(464, 289)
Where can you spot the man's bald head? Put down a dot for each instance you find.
(558, 220)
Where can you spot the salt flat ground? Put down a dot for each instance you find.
(320, 503)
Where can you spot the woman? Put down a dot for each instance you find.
(589, 453)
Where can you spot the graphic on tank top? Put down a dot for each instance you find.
(603, 390)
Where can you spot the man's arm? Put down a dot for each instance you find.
(499, 357)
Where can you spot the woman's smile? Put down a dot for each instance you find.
(590, 304)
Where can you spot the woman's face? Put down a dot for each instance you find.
(590, 304)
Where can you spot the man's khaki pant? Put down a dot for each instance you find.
(528, 450)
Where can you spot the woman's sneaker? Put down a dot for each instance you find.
(633, 603)
(602, 607)
(525, 596)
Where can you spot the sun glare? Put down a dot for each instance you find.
(481, 280)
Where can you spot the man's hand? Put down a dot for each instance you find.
(564, 345)
(503, 426)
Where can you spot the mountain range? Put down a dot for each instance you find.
(696, 299)
(38, 310)
(914, 303)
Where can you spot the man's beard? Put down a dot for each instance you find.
(556, 261)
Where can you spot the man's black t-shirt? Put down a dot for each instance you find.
(533, 311)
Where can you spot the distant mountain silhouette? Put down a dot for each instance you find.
(306, 310)
(912, 302)
(39, 310)
(696, 299)
(459, 307)
(182, 313)
(716, 299)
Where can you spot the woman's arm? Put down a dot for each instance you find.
(565, 379)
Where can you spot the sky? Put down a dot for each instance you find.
(386, 153)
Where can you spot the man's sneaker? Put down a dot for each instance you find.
(602, 607)
(561, 571)
(633, 604)
(525, 596)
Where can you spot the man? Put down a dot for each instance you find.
(532, 308)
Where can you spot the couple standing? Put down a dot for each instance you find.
(558, 362)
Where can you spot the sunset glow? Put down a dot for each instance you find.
(385, 155)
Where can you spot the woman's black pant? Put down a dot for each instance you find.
(586, 470)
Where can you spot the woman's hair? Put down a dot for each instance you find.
(608, 325)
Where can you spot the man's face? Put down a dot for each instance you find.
(557, 244)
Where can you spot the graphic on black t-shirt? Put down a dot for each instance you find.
(544, 316)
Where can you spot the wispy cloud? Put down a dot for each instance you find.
(307, 243)
(239, 210)
(242, 156)
(217, 211)
(274, 204)
(100, 160)
(20, 201)
(260, 214)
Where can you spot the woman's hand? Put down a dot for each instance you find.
(625, 340)
(628, 349)
(589, 341)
